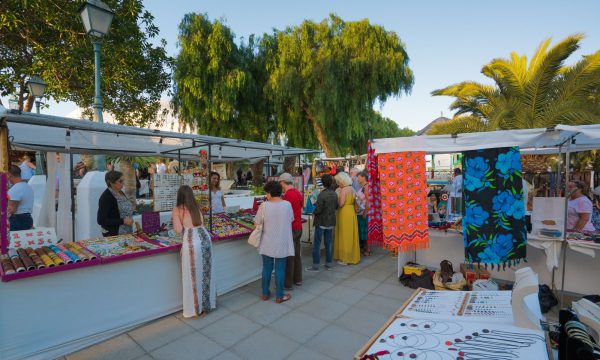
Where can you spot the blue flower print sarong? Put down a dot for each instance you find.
(494, 228)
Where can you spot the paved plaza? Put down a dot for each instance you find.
(330, 316)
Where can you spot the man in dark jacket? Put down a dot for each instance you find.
(327, 204)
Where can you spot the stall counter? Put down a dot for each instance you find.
(50, 316)
(581, 270)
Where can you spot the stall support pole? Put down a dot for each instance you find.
(72, 197)
(179, 161)
(565, 244)
(210, 222)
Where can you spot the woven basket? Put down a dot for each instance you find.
(439, 285)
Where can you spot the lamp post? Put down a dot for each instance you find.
(37, 88)
(96, 17)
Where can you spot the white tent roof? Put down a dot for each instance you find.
(51, 133)
(532, 141)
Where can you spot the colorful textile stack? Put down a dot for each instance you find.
(374, 216)
(404, 201)
(494, 226)
(20, 260)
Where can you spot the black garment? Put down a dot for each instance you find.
(20, 222)
(108, 215)
(249, 176)
(327, 204)
(239, 175)
(293, 264)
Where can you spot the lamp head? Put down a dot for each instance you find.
(96, 17)
(36, 86)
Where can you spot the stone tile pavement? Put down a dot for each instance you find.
(330, 316)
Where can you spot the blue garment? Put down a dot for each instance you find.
(596, 218)
(494, 227)
(279, 275)
(327, 234)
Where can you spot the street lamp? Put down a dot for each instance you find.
(37, 88)
(96, 17)
(13, 103)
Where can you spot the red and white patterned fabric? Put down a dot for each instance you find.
(403, 201)
(375, 235)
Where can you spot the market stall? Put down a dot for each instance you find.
(430, 246)
(126, 280)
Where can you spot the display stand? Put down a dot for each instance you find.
(529, 344)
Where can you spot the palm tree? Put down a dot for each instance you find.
(126, 167)
(540, 94)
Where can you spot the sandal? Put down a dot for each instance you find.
(285, 297)
(367, 253)
(265, 297)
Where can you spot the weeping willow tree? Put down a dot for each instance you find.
(324, 79)
(538, 93)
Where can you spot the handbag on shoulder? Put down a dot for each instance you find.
(256, 235)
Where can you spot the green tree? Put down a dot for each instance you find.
(324, 79)
(48, 38)
(542, 93)
(377, 127)
(217, 83)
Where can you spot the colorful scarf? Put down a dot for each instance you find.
(494, 227)
(375, 235)
(404, 201)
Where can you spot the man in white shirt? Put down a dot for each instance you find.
(456, 194)
(20, 202)
(161, 168)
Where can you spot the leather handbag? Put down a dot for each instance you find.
(256, 235)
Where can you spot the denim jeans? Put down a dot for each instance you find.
(279, 275)
(327, 233)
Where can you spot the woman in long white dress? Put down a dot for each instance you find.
(199, 288)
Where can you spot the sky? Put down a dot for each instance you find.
(447, 41)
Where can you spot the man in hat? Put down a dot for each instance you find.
(293, 265)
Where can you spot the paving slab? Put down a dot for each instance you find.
(264, 345)
(324, 308)
(265, 312)
(362, 321)
(298, 326)
(344, 294)
(337, 342)
(160, 332)
(200, 322)
(121, 347)
(230, 329)
(190, 347)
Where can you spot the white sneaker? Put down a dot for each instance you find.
(342, 263)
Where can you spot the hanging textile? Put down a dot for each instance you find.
(47, 217)
(403, 201)
(494, 227)
(375, 235)
(64, 220)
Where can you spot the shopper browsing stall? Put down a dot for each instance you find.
(27, 168)
(276, 244)
(217, 201)
(346, 248)
(293, 267)
(114, 208)
(199, 288)
(324, 222)
(362, 201)
(579, 212)
(20, 203)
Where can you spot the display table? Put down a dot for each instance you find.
(580, 276)
(408, 335)
(49, 316)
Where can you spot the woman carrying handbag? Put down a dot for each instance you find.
(275, 216)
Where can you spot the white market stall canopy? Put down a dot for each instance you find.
(29, 131)
(531, 141)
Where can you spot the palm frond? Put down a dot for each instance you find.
(459, 125)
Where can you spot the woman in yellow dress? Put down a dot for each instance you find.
(346, 247)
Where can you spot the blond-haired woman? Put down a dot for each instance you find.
(346, 247)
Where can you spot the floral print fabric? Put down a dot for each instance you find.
(494, 228)
(375, 236)
(403, 201)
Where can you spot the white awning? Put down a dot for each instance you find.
(30, 131)
(531, 141)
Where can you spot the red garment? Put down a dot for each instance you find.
(375, 226)
(403, 200)
(295, 198)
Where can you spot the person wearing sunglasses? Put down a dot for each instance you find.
(114, 208)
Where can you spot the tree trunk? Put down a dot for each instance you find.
(230, 170)
(320, 133)
(29, 103)
(129, 179)
(4, 160)
(257, 171)
(289, 165)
